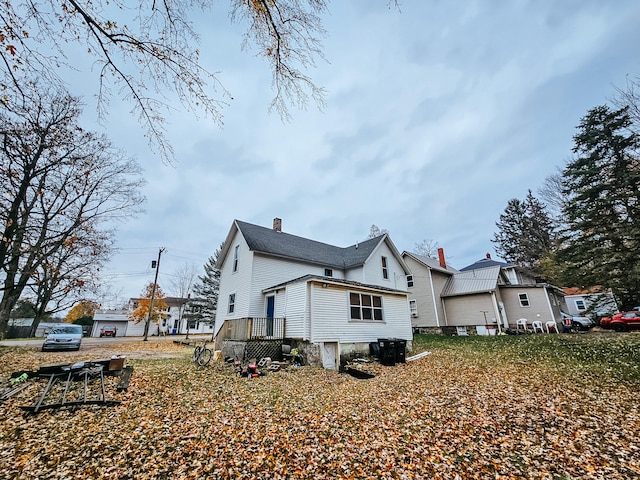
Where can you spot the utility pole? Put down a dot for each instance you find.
(153, 294)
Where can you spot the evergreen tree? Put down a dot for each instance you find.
(525, 234)
(202, 306)
(602, 208)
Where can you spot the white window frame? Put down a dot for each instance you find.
(231, 306)
(524, 300)
(366, 307)
(581, 305)
(236, 257)
(413, 307)
(385, 268)
(409, 281)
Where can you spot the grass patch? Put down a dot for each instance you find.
(610, 356)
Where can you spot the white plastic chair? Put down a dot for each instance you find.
(522, 322)
(551, 324)
(537, 325)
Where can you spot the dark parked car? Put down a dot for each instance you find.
(577, 323)
(64, 336)
(108, 331)
(622, 322)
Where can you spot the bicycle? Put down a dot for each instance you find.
(202, 355)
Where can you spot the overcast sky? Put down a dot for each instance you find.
(436, 116)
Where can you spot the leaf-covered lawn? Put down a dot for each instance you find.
(544, 406)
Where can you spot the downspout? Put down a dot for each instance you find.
(310, 310)
(444, 310)
(433, 297)
(496, 310)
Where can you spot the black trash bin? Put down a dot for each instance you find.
(387, 351)
(401, 347)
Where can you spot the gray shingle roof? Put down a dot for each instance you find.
(272, 242)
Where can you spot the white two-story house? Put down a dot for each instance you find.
(328, 302)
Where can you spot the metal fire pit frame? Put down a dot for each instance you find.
(85, 373)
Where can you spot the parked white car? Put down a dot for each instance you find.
(63, 336)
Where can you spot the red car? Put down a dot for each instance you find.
(108, 331)
(622, 322)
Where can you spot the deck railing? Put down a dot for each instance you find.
(265, 328)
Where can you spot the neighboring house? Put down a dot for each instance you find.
(172, 323)
(428, 278)
(490, 296)
(328, 302)
(486, 297)
(589, 303)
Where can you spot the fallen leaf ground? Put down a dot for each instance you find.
(543, 406)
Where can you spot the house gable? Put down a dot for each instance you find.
(269, 259)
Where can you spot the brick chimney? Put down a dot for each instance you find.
(277, 224)
(443, 262)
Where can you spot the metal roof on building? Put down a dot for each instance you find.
(472, 281)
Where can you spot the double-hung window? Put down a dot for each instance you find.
(385, 270)
(232, 303)
(413, 308)
(524, 300)
(409, 281)
(236, 257)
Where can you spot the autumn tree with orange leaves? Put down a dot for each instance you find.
(141, 310)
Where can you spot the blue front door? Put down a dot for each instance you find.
(271, 305)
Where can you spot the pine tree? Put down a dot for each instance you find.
(602, 186)
(525, 234)
(202, 306)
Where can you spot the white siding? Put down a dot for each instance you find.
(372, 273)
(355, 274)
(238, 282)
(270, 271)
(330, 318)
(136, 329)
(295, 310)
